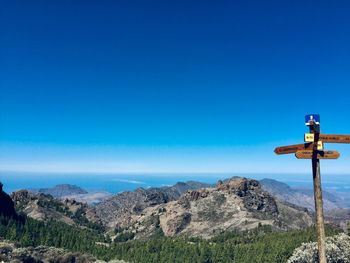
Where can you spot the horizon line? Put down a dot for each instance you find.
(162, 172)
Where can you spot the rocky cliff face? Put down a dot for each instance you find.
(239, 203)
(7, 206)
(118, 209)
(45, 207)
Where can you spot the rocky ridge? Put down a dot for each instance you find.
(191, 209)
(299, 197)
(236, 204)
(45, 207)
(126, 204)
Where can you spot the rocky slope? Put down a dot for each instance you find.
(335, 204)
(45, 207)
(126, 204)
(10, 252)
(299, 197)
(190, 208)
(238, 203)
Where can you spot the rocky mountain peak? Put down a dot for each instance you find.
(237, 203)
(43, 207)
(239, 186)
(21, 196)
(118, 209)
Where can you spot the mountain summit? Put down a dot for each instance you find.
(233, 204)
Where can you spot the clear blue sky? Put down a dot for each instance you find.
(169, 85)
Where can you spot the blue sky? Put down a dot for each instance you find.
(170, 86)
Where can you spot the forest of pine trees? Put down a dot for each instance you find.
(259, 245)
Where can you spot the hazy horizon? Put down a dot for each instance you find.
(117, 182)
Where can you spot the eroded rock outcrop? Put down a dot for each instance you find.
(235, 204)
(45, 207)
(121, 208)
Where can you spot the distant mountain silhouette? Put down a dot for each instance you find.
(7, 208)
(300, 197)
(60, 190)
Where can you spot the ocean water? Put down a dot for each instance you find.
(115, 183)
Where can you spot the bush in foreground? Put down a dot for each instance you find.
(337, 251)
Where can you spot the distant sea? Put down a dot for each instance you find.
(115, 183)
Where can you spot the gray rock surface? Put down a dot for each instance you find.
(236, 204)
(12, 253)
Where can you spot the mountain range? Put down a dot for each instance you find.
(186, 208)
(190, 209)
(300, 197)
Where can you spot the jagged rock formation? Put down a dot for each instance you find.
(7, 206)
(337, 250)
(235, 204)
(44, 207)
(122, 206)
(238, 203)
(60, 190)
(10, 252)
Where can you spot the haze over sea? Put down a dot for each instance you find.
(118, 182)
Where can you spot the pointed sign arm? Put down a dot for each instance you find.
(309, 154)
(293, 148)
(329, 138)
(334, 138)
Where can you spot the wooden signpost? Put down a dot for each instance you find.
(298, 147)
(320, 154)
(332, 138)
(313, 149)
